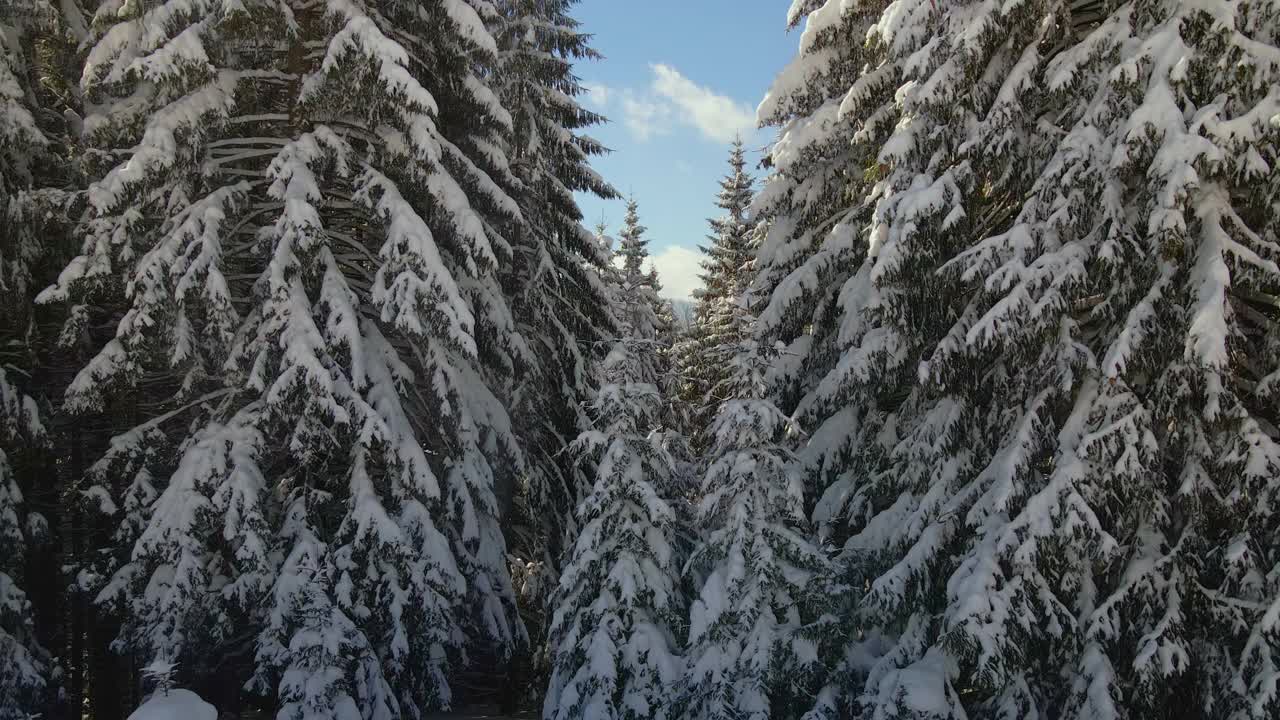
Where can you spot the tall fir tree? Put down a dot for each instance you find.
(304, 234)
(38, 193)
(639, 301)
(613, 639)
(705, 349)
(610, 274)
(760, 620)
(24, 663)
(652, 329)
(1035, 350)
(561, 303)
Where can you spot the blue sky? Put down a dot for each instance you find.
(678, 80)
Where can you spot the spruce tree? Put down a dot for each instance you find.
(1033, 350)
(37, 195)
(327, 650)
(561, 305)
(811, 257)
(304, 232)
(1144, 266)
(610, 274)
(704, 353)
(613, 638)
(756, 627)
(638, 304)
(639, 287)
(24, 663)
(651, 320)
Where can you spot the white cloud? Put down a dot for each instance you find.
(678, 269)
(598, 94)
(673, 99)
(718, 117)
(645, 117)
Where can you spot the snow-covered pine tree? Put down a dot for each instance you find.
(561, 304)
(756, 627)
(479, 451)
(1141, 275)
(821, 172)
(304, 230)
(614, 637)
(812, 258)
(1036, 409)
(613, 633)
(24, 663)
(332, 671)
(37, 38)
(38, 179)
(610, 274)
(23, 139)
(639, 302)
(653, 331)
(704, 352)
(39, 182)
(668, 331)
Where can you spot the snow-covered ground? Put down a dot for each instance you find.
(481, 714)
(175, 705)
